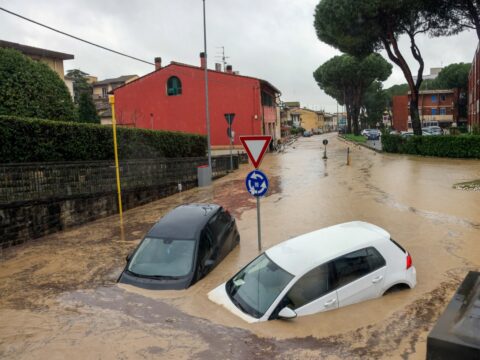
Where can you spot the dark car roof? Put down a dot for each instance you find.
(184, 222)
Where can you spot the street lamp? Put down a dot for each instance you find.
(207, 114)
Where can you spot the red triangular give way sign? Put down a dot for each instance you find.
(256, 146)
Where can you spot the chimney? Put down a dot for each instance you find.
(203, 60)
(229, 69)
(218, 67)
(158, 63)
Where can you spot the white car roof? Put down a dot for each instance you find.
(304, 252)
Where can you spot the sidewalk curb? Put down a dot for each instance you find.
(359, 144)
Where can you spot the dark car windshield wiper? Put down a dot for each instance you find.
(159, 277)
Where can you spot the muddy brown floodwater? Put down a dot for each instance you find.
(59, 299)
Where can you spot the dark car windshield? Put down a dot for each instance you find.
(256, 286)
(163, 257)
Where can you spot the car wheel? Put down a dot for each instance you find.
(396, 288)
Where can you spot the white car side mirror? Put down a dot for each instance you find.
(287, 313)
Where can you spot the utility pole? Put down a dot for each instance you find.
(207, 114)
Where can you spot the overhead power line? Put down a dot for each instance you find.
(76, 37)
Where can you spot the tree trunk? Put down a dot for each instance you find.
(356, 129)
(416, 125)
(399, 60)
(349, 119)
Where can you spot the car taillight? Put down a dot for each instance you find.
(409, 261)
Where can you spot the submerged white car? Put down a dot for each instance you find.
(319, 271)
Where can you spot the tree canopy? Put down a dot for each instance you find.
(453, 76)
(31, 89)
(462, 14)
(346, 78)
(360, 27)
(82, 91)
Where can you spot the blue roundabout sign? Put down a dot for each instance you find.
(257, 183)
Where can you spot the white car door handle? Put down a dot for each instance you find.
(377, 279)
(330, 302)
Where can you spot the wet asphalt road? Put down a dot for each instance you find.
(59, 298)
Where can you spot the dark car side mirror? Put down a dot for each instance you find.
(209, 263)
(287, 313)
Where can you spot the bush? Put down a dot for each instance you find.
(463, 146)
(30, 88)
(31, 140)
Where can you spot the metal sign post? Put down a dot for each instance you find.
(325, 143)
(111, 100)
(259, 226)
(229, 117)
(256, 181)
(257, 185)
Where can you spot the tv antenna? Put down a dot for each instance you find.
(223, 57)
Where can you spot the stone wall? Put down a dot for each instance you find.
(41, 198)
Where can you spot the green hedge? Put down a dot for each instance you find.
(31, 140)
(463, 146)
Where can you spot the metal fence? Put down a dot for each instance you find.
(37, 181)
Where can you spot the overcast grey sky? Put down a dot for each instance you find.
(270, 39)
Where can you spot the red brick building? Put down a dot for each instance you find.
(173, 98)
(474, 92)
(434, 107)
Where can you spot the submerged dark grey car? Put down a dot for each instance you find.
(181, 248)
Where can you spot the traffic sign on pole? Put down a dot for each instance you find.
(257, 183)
(256, 146)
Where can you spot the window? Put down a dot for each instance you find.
(357, 264)
(104, 92)
(257, 285)
(434, 98)
(310, 287)
(163, 257)
(434, 111)
(443, 111)
(174, 86)
(442, 97)
(204, 249)
(267, 99)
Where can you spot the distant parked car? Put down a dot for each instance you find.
(307, 133)
(373, 134)
(181, 248)
(395, 132)
(365, 132)
(434, 130)
(342, 130)
(407, 134)
(319, 271)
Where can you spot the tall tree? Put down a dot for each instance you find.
(82, 94)
(87, 112)
(359, 27)
(31, 89)
(375, 102)
(80, 83)
(346, 78)
(455, 76)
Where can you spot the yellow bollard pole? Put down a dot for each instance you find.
(111, 100)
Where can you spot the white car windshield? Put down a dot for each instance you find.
(163, 258)
(256, 286)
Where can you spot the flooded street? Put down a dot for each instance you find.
(59, 297)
